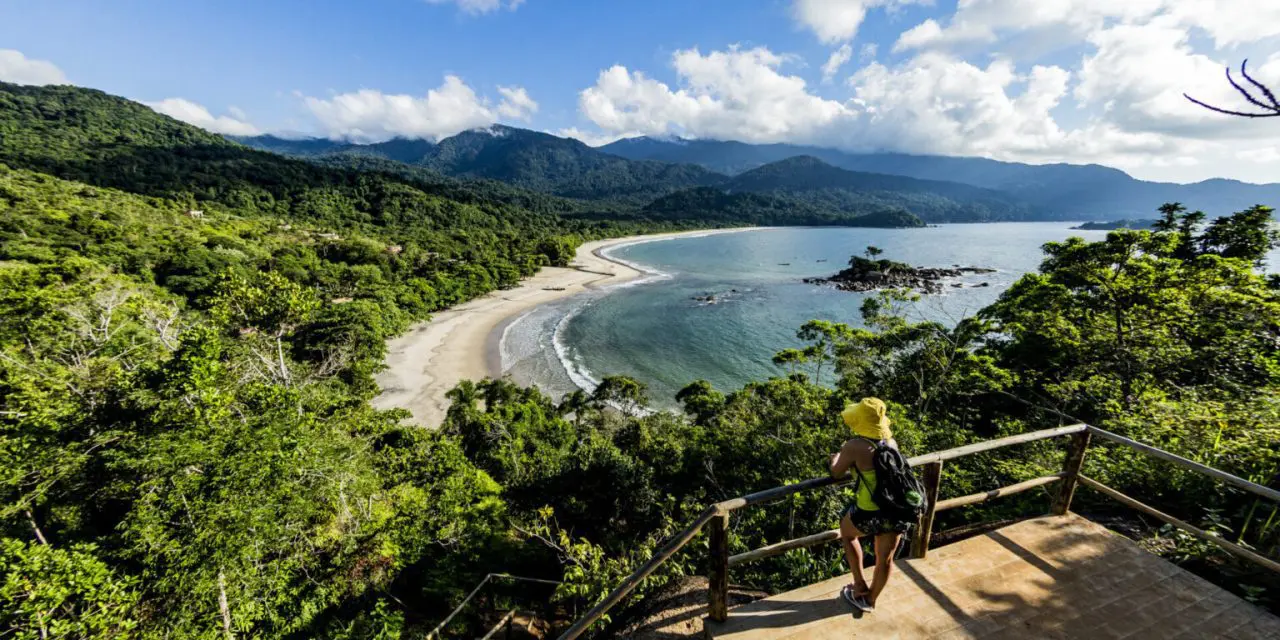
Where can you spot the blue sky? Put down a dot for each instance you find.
(1028, 80)
(255, 54)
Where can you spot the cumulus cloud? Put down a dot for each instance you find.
(19, 69)
(838, 59)
(838, 20)
(369, 115)
(736, 94)
(195, 114)
(480, 7)
(1227, 22)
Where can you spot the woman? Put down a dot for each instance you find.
(870, 427)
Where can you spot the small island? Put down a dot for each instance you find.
(871, 273)
(1142, 223)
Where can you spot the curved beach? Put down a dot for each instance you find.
(463, 343)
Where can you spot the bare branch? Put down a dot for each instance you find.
(1261, 87)
(1271, 110)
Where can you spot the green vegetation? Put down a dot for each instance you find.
(191, 328)
(711, 204)
(1139, 223)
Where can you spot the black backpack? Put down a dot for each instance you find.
(898, 492)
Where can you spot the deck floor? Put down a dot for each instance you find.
(1052, 577)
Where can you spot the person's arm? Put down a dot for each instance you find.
(842, 461)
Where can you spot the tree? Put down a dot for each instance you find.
(1269, 109)
(873, 252)
(1247, 235)
(627, 394)
(47, 592)
(701, 400)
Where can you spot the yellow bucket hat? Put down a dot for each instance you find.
(867, 419)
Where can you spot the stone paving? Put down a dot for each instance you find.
(1051, 577)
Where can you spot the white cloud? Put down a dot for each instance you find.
(1227, 22)
(592, 139)
(838, 58)
(19, 69)
(838, 20)
(516, 103)
(735, 94)
(1268, 155)
(195, 114)
(480, 7)
(370, 115)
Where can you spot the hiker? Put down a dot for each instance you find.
(872, 455)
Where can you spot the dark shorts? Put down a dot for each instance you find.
(872, 523)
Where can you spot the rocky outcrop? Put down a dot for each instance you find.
(867, 275)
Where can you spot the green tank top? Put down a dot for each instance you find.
(866, 486)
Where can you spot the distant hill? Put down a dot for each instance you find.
(716, 204)
(1080, 191)
(821, 185)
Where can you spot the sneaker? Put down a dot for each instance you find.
(862, 604)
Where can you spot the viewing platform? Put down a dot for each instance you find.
(1058, 576)
(1049, 577)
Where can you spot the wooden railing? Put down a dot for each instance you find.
(717, 515)
(436, 633)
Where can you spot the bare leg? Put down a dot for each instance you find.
(849, 535)
(886, 544)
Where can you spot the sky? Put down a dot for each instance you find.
(1080, 81)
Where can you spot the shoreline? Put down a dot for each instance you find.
(464, 343)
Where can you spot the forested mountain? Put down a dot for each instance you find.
(1079, 191)
(717, 204)
(566, 167)
(523, 158)
(821, 185)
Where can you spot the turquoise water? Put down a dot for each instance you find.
(654, 330)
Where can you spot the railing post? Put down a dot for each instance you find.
(924, 528)
(718, 572)
(1071, 472)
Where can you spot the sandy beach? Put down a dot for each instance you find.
(462, 343)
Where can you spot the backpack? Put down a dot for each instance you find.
(898, 492)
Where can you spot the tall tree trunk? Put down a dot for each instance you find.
(223, 607)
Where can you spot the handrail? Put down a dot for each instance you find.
(1252, 487)
(677, 542)
(435, 633)
(669, 549)
(1226, 545)
(777, 493)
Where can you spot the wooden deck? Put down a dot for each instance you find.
(1052, 577)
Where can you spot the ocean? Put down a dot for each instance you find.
(662, 331)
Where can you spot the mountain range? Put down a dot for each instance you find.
(634, 172)
(1088, 191)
